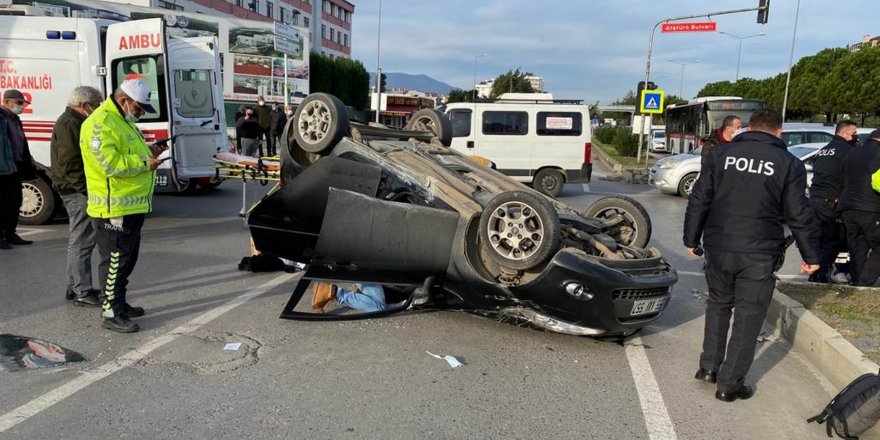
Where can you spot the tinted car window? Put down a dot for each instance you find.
(794, 138)
(509, 123)
(461, 122)
(819, 136)
(559, 124)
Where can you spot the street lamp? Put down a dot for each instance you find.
(790, 58)
(682, 64)
(378, 69)
(739, 52)
(474, 93)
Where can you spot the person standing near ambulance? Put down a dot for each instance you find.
(16, 165)
(746, 191)
(120, 176)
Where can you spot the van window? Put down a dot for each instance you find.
(559, 124)
(505, 123)
(461, 122)
(152, 69)
(193, 88)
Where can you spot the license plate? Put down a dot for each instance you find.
(646, 306)
(161, 180)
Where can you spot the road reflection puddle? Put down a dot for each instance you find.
(23, 353)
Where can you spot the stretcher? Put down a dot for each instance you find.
(247, 169)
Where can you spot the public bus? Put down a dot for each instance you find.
(687, 124)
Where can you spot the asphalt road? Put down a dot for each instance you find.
(361, 379)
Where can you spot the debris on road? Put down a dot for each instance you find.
(232, 346)
(451, 360)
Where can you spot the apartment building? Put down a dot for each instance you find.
(328, 20)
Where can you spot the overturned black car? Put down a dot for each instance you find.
(438, 229)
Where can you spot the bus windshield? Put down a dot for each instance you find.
(688, 124)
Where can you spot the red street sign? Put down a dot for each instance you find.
(696, 26)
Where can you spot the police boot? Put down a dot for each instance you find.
(120, 324)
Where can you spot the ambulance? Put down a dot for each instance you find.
(46, 57)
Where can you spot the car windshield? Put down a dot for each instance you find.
(659, 134)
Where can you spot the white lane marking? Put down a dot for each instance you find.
(654, 409)
(89, 377)
(700, 274)
(24, 232)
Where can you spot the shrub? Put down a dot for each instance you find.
(605, 134)
(626, 143)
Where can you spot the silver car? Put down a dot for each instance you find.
(676, 174)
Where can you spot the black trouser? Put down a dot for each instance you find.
(118, 247)
(833, 238)
(10, 204)
(863, 237)
(270, 143)
(744, 283)
(276, 141)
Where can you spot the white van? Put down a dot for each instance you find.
(544, 142)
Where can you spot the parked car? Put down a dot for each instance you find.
(365, 204)
(676, 174)
(796, 133)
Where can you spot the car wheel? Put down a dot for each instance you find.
(430, 120)
(209, 182)
(686, 184)
(321, 122)
(549, 181)
(38, 202)
(519, 230)
(636, 227)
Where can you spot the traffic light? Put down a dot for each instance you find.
(763, 11)
(641, 86)
(382, 84)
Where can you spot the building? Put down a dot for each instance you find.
(397, 106)
(867, 41)
(484, 88)
(329, 21)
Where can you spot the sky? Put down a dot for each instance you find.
(596, 50)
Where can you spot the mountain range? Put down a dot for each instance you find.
(419, 82)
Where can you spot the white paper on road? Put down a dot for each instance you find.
(232, 346)
(451, 360)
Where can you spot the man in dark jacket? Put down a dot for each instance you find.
(746, 191)
(277, 119)
(825, 193)
(69, 179)
(263, 113)
(248, 128)
(16, 165)
(860, 210)
(723, 135)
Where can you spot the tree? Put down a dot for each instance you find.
(459, 95)
(513, 81)
(347, 79)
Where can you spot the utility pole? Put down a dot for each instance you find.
(378, 70)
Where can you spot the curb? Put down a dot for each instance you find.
(605, 159)
(835, 357)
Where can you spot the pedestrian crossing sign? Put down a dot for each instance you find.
(651, 101)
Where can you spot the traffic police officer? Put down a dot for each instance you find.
(860, 210)
(825, 194)
(119, 168)
(746, 191)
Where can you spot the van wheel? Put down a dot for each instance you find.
(519, 230)
(686, 184)
(38, 202)
(634, 230)
(432, 121)
(321, 122)
(549, 181)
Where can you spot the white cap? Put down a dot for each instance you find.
(136, 89)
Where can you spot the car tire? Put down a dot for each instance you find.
(686, 184)
(549, 181)
(38, 202)
(430, 120)
(636, 216)
(321, 121)
(505, 218)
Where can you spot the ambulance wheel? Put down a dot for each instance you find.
(38, 202)
(321, 121)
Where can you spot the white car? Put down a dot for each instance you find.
(676, 174)
(658, 141)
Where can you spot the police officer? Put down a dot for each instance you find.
(747, 190)
(120, 175)
(825, 193)
(860, 211)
